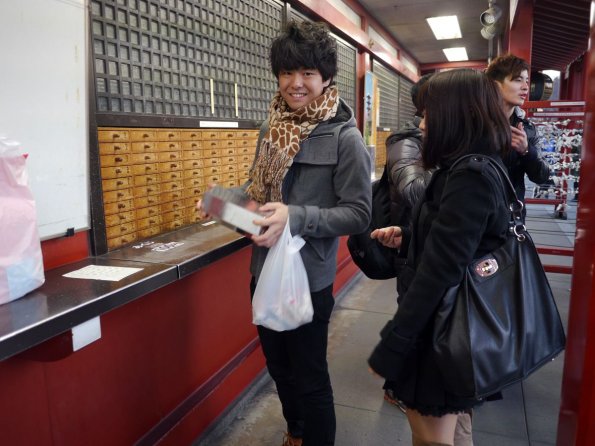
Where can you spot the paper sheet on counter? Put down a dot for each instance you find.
(99, 272)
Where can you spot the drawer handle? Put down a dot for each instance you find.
(193, 135)
(152, 222)
(116, 148)
(147, 157)
(151, 201)
(170, 135)
(175, 196)
(116, 135)
(121, 217)
(118, 159)
(118, 170)
(174, 186)
(145, 135)
(172, 156)
(149, 179)
(151, 211)
(120, 194)
(121, 206)
(119, 183)
(147, 168)
(173, 165)
(149, 190)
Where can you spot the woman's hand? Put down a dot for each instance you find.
(273, 223)
(201, 213)
(391, 236)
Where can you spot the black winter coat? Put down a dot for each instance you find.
(532, 164)
(457, 221)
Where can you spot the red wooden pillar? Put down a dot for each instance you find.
(520, 38)
(577, 412)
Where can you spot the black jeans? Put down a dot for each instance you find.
(296, 361)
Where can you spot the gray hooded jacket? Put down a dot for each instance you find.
(328, 191)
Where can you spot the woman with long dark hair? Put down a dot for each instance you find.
(462, 215)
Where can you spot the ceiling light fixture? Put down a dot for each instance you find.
(456, 54)
(445, 27)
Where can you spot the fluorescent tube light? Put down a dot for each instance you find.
(445, 27)
(456, 54)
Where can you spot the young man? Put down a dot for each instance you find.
(311, 168)
(511, 74)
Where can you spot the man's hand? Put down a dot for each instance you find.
(519, 139)
(391, 236)
(273, 223)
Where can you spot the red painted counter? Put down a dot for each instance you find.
(166, 366)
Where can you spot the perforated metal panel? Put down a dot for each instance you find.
(173, 57)
(406, 107)
(389, 87)
(346, 64)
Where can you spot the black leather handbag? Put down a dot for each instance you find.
(501, 323)
(374, 259)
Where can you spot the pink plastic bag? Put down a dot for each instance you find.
(21, 263)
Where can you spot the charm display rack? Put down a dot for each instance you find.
(559, 125)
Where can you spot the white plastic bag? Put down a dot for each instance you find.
(282, 299)
(21, 262)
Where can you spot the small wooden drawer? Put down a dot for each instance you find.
(191, 145)
(192, 164)
(168, 135)
(169, 156)
(173, 225)
(246, 159)
(116, 242)
(119, 218)
(146, 201)
(229, 183)
(212, 144)
(171, 206)
(192, 154)
(228, 134)
(122, 229)
(118, 206)
(172, 216)
(247, 134)
(246, 150)
(117, 195)
(172, 186)
(168, 146)
(243, 175)
(190, 218)
(143, 135)
(191, 135)
(145, 169)
(211, 152)
(145, 180)
(212, 162)
(113, 148)
(142, 147)
(116, 183)
(210, 134)
(244, 166)
(142, 191)
(195, 174)
(171, 166)
(191, 202)
(150, 211)
(171, 196)
(229, 151)
(149, 222)
(171, 176)
(112, 135)
(230, 176)
(225, 160)
(149, 232)
(115, 172)
(213, 170)
(228, 143)
(195, 191)
(194, 182)
(213, 179)
(143, 158)
(114, 160)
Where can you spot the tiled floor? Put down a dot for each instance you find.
(527, 416)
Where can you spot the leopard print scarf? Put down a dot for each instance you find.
(281, 143)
